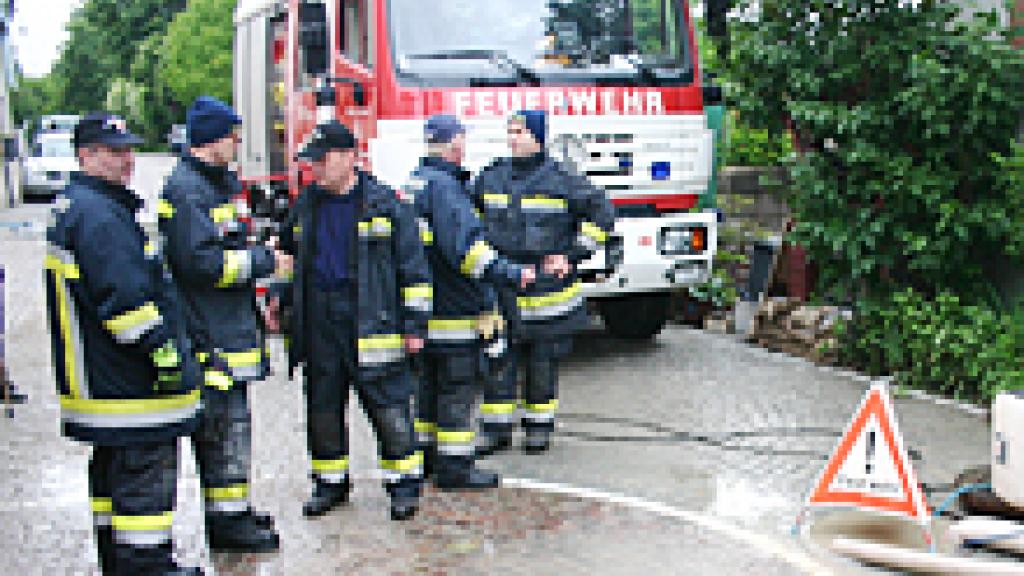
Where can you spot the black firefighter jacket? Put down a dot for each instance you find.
(463, 265)
(534, 207)
(214, 268)
(393, 290)
(110, 307)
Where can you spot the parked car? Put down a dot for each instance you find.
(48, 169)
(177, 138)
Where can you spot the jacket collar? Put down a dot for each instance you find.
(449, 168)
(220, 176)
(116, 192)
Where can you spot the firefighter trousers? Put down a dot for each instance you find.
(444, 407)
(132, 491)
(223, 447)
(537, 360)
(332, 373)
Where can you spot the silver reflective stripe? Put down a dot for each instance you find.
(245, 267)
(391, 476)
(142, 537)
(135, 333)
(380, 356)
(331, 477)
(538, 416)
(101, 519)
(442, 335)
(505, 418)
(227, 506)
(144, 420)
(425, 437)
(553, 311)
(452, 449)
(419, 304)
(587, 243)
(244, 372)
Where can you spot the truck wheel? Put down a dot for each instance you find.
(637, 317)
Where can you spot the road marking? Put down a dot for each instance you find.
(762, 543)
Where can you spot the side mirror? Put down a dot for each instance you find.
(313, 37)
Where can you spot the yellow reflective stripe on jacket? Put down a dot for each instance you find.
(544, 202)
(236, 492)
(223, 213)
(130, 326)
(594, 231)
(381, 349)
(423, 427)
(455, 436)
(101, 505)
(164, 209)
(236, 268)
(418, 297)
(217, 379)
(378, 226)
(243, 359)
(132, 406)
(67, 270)
(499, 407)
(495, 199)
(339, 465)
(542, 305)
(426, 234)
(155, 523)
(452, 329)
(477, 259)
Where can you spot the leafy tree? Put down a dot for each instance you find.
(33, 98)
(900, 111)
(197, 56)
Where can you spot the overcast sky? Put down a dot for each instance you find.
(38, 32)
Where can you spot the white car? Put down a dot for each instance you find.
(49, 168)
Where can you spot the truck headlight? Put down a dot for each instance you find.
(682, 240)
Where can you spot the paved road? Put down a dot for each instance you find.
(711, 444)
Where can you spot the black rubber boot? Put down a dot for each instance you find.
(240, 533)
(403, 507)
(494, 438)
(185, 572)
(463, 475)
(537, 440)
(261, 519)
(326, 497)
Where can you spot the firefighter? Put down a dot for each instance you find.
(215, 268)
(124, 369)
(537, 213)
(359, 300)
(465, 323)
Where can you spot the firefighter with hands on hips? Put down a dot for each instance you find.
(465, 322)
(537, 213)
(125, 372)
(214, 267)
(359, 302)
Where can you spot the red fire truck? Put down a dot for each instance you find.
(620, 79)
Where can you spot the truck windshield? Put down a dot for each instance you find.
(55, 148)
(544, 38)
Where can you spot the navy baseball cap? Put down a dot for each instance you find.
(442, 128)
(327, 136)
(104, 129)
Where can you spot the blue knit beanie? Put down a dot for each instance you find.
(536, 121)
(209, 120)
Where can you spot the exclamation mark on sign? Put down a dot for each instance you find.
(871, 451)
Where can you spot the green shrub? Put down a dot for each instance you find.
(941, 344)
(749, 146)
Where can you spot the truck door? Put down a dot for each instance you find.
(354, 74)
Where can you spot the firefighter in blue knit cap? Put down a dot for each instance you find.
(215, 268)
(465, 326)
(537, 213)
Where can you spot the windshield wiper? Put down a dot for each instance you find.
(498, 57)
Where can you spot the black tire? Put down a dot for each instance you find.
(637, 317)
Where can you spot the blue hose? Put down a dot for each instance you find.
(965, 489)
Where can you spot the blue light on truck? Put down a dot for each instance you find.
(661, 170)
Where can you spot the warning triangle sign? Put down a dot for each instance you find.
(869, 468)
